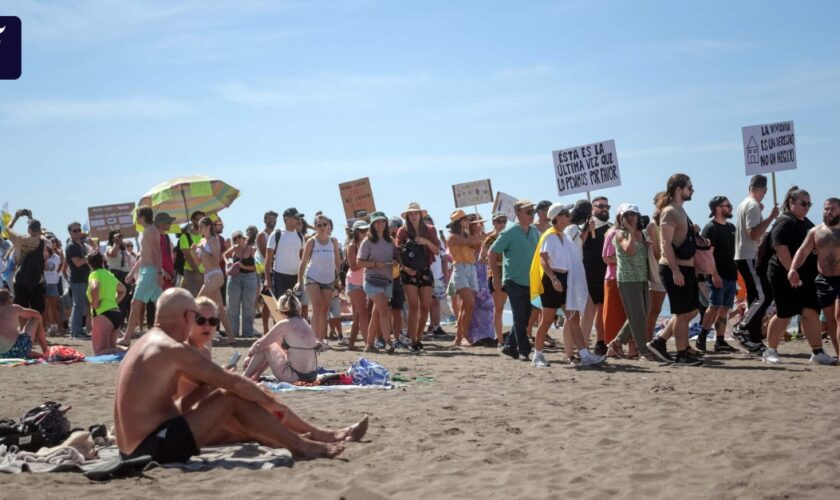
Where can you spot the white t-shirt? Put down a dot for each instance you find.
(572, 233)
(558, 254)
(51, 274)
(748, 217)
(286, 251)
(437, 267)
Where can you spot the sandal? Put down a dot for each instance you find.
(613, 351)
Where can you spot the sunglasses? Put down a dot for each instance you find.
(530, 212)
(602, 207)
(201, 320)
(502, 220)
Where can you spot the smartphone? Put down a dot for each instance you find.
(234, 360)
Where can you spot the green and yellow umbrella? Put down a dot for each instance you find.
(182, 196)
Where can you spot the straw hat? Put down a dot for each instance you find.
(413, 207)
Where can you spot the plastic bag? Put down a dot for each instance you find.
(366, 372)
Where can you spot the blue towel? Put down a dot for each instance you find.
(106, 358)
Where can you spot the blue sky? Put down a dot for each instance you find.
(284, 100)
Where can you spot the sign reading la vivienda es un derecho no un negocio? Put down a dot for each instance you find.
(769, 148)
(586, 168)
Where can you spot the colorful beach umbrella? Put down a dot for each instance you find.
(182, 196)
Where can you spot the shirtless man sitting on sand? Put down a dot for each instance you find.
(148, 422)
(15, 343)
(825, 239)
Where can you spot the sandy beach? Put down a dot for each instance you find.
(486, 426)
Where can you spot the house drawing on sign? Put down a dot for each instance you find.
(752, 151)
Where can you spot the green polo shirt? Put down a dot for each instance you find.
(517, 248)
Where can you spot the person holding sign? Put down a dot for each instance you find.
(793, 286)
(418, 246)
(676, 268)
(750, 226)
(463, 244)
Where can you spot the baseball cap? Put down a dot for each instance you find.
(498, 215)
(556, 209)
(544, 205)
(628, 207)
(522, 204)
(292, 212)
(716, 202)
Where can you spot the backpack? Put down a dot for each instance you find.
(31, 269)
(180, 260)
(46, 425)
(413, 255)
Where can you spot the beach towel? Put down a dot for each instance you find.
(106, 358)
(287, 387)
(109, 464)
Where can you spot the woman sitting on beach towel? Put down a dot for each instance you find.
(289, 348)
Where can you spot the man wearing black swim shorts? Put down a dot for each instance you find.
(596, 270)
(148, 423)
(825, 239)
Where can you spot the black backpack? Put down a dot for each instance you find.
(413, 255)
(46, 425)
(31, 269)
(180, 260)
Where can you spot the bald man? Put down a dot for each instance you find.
(148, 422)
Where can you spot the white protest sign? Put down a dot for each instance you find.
(586, 168)
(504, 204)
(472, 193)
(769, 148)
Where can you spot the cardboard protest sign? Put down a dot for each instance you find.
(472, 193)
(769, 148)
(504, 204)
(586, 168)
(357, 197)
(105, 218)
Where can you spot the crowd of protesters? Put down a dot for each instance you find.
(390, 279)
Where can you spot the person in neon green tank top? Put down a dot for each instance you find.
(104, 293)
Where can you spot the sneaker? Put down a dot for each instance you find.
(539, 361)
(771, 356)
(416, 348)
(822, 359)
(657, 346)
(722, 346)
(508, 351)
(380, 343)
(686, 359)
(701, 342)
(694, 352)
(400, 344)
(420, 345)
(593, 360)
(600, 348)
(343, 342)
(390, 349)
(325, 345)
(371, 349)
(743, 338)
(524, 357)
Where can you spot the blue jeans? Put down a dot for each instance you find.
(241, 299)
(80, 308)
(520, 305)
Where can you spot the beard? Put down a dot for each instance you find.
(727, 215)
(603, 216)
(831, 220)
(687, 197)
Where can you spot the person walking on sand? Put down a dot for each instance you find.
(721, 235)
(419, 247)
(557, 276)
(676, 268)
(750, 226)
(149, 273)
(462, 247)
(208, 252)
(793, 279)
(515, 248)
(318, 272)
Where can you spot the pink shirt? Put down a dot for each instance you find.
(609, 251)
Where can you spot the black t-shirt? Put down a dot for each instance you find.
(722, 237)
(791, 232)
(77, 274)
(593, 260)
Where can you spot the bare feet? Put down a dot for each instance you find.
(356, 431)
(313, 449)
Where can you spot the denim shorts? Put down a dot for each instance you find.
(324, 286)
(350, 287)
(52, 290)
(464, 276)
(371, 290)
(724, 296)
